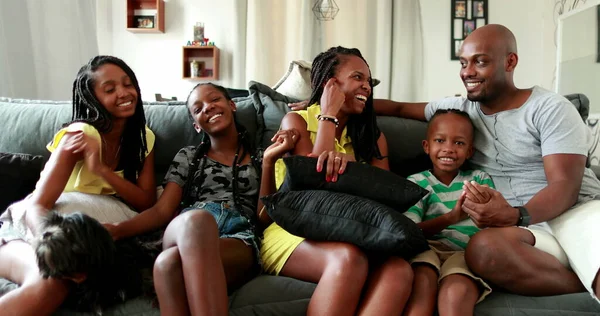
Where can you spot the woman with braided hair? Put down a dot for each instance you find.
(338, 127)
(104, 153)
(209, 203)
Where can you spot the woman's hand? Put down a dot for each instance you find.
(283, 142)
(335, 164)
(332, 99)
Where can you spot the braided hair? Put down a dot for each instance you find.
(245, 146)
(87, 109)
(362, 128)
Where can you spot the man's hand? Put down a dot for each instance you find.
(495, 212)
(302, 105)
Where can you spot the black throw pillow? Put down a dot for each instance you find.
(18, 176)
(330, 216)
(358, 179)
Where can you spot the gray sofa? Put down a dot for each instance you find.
(27, 125)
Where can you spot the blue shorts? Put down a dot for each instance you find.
(231, 223)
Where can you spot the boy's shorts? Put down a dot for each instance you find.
(448, 262)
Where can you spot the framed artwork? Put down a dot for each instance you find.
(144, 21)
(465, 17)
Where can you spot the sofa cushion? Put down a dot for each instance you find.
(271, 106)
(384, 186)
(331, 216)
(18, 176)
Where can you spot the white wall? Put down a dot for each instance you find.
(579, 69)
(532, 23)
(156, 58)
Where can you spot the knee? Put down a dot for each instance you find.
(453, 291)
(197, 223)
(347, 259)
(397, 269)
(483, 252)
(168, 263)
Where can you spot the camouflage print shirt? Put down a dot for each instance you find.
(217, 185)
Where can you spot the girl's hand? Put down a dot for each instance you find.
(112, 230)
(335, 164)
(283, 142)
(332, 99)
(90, 148)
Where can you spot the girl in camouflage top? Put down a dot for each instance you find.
(211, 245)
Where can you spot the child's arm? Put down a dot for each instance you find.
(52, 182)
(284, 142)
(140, 195)
(436, 225)
(155, 217)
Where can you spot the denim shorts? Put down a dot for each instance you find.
(231, 223)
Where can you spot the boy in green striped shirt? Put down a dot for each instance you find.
(441, 273)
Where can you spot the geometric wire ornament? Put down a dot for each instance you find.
(325, 10)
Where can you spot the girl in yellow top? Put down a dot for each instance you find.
(339, 127)
(106, 149)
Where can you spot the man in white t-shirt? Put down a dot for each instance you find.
(543, 222)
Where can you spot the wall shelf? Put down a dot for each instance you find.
(146, 16)
(208, 55)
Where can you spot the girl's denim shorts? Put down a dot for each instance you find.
(231, 223)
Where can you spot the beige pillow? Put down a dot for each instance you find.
(296, 81)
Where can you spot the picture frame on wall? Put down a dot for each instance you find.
(465, 17)
(460, 9)
(144, 21)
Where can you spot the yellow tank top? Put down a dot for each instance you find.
(82, 179)
(344, 145)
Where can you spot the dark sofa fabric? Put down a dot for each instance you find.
(18, 176)
(29, 125)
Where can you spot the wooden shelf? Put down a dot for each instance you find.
(154, 9)
(209, 55)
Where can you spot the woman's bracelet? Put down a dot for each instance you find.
(329, 118)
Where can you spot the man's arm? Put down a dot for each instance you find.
(564, 173)
(415, 111)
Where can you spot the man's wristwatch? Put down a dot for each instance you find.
(524, 217)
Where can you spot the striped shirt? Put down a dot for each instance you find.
(441, 199)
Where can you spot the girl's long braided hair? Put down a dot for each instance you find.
(87, 109)
(245, 147)
(362, 128)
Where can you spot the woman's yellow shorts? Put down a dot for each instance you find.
(277, 246)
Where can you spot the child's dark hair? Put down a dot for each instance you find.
(362, 128)
(199, 160)
(87, 109)
(441, 112)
